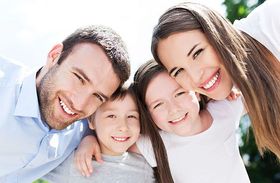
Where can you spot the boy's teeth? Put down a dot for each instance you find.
(65, 108)
(211, 82)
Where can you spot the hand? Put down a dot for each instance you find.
(234, 94)
(83, 155)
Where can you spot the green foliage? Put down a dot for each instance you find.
(40, 181)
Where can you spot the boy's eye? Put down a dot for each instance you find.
(79, 78)
(196, 54)
(111, 116)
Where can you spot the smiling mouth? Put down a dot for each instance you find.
(120, 139)
(210, 85)
(65, 108)
(175, 121)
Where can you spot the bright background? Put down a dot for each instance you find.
(31, 27)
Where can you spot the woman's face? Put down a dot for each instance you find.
(193, 62)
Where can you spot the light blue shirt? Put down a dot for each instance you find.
(29, 149)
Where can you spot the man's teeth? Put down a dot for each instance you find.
(120, 139)
(211, 82)
(178, 119)
(65, 108)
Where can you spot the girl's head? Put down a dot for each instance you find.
(117, 123)
(196, 46)
(172, 108)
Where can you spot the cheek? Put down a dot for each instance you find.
(158, 118)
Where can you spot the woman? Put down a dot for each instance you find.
(205, 53)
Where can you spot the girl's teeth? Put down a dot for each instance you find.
(179, 119)
(65, 108)
(120, 139)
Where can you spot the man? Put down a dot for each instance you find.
(38, 110)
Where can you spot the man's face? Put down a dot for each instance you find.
(75, 88)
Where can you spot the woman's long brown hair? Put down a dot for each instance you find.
(252, 67)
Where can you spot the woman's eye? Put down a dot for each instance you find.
(196, 54)
(177, 72)
(180, 93)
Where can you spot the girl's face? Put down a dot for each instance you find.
(172, 108)
(117, 125)
(193, 62)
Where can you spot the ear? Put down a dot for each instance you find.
(91, 123)
(54, 55)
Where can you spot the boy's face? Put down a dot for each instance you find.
(173, 109)
(117, 125)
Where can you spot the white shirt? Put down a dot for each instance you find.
(209, 157)
(263, 24)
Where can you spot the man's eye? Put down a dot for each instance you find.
(196, 54)
(99, 97)
(79, 78)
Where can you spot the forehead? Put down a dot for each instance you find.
(125, 103)
(161, 85)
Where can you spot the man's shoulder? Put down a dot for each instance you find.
(11, 71)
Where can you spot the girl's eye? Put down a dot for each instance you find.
(196, 54)
(177, 72)
(157, 105)
(79, 78)
(132, 116)
(180, 93)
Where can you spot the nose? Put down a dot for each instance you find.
(192, 78)
(82, 102)
(173, 108)
(123, 125)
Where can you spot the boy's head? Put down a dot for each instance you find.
(117, 123)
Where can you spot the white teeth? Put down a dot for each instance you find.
(65, 108)
(120, 139)
(178, 119)
(211, 82)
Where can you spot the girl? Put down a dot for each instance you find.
(205, 53)
(117, 125)
(201, 143)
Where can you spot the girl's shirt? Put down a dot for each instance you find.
(211, 156)
(127, 168)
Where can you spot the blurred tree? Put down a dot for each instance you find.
(264, 169)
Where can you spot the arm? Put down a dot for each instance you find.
(88, 147)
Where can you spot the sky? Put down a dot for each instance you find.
(31, 27)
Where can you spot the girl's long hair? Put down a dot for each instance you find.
(252, 67)
(141, 80)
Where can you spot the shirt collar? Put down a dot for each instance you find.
(27, 103)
